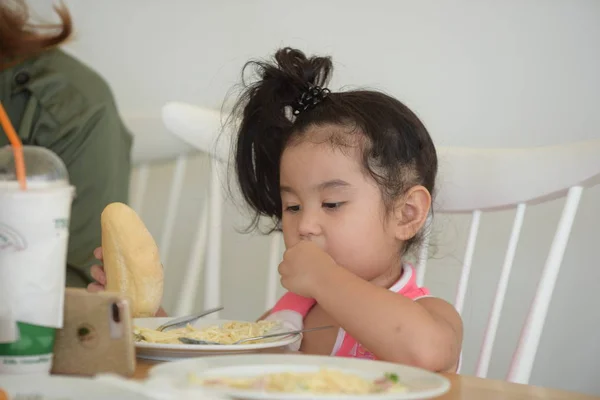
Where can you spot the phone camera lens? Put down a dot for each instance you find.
(116, 315)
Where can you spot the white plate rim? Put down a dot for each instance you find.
(199, 348)
(64, 383)
(176, 369)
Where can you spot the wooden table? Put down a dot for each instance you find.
(464, 387)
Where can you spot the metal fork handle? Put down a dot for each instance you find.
(289, 333)
(177, 322)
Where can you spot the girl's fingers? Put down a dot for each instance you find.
(95, 287)
(98, 253)
(98, 274)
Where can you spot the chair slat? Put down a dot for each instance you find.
(468, 260)
(141, 183)
(422, 263)
(424, 252)
(522, 362)
(494, 319)
(272, 274)
(212, 271)
(172, 207)
(191, 279)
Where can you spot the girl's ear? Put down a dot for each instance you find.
(411, 212)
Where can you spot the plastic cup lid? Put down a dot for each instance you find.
(42, 166)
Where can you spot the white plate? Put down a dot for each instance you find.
(53, 387)
(421, 384)
(170, 352)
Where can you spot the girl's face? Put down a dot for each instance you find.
(327, 198)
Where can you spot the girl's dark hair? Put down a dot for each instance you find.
(397, 149)
(19, 39)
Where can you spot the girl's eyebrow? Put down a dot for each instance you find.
(332, 184)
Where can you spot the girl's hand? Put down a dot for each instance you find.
(98, 274)
(303, 267)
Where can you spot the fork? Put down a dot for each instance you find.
(177, 322)
(186, 340)
(182, 321)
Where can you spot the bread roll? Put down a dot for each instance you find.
(131, 260)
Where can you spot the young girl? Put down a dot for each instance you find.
(348, 178)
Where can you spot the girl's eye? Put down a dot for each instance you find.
(292, 208)
(333, 206)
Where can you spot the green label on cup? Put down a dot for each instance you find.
(34, 340)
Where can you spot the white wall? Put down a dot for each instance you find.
(479, 73)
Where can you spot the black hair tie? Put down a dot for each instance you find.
(309, 99)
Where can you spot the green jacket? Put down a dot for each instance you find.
(59, 103)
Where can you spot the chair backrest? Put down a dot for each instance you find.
(485, 180)
(472, 181)
(201, 129)
(189, 130)
(154, 145)
(168, 144)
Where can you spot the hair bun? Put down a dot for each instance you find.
(303, 72)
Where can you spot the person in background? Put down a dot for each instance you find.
(57, 102)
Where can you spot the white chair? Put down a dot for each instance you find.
(201, 129)
(470, 181)
(179, 134)
(484, 180)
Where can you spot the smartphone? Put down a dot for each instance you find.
(97, 335)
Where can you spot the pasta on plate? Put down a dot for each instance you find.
(323, 381)
(227, 333)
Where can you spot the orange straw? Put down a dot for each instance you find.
(17, 147)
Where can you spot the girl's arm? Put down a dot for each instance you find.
(426, 333)
(292, 302)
